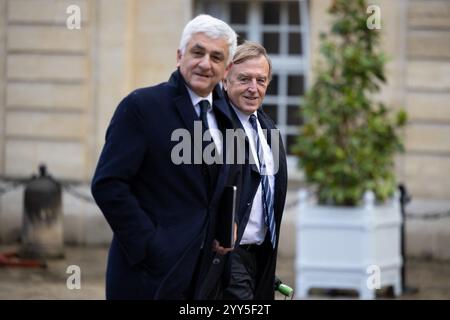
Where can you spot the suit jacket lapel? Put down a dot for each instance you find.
(221, 106)
(186, 111)
(265, 124)
(279, 152)
(239, 125)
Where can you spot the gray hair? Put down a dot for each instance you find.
(213, 28)
(250, 50)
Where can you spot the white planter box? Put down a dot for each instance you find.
(348, 248)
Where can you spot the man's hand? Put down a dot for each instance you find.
(221, 250)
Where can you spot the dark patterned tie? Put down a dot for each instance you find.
(213, 169)
(204, 105)
(267, 199)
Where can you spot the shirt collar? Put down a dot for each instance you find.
(244, 118)
(195, 98)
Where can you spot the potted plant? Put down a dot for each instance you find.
(346, 149)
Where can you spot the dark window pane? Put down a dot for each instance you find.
(211, 8)
(295, 85)
(291, 141)
(294, 13)
(271, 111)
(294, 116)
(238, 12)
(242, 36)
(295, 43)
(271, 42)
(271, 12)
(272, 89)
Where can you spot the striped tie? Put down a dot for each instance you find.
(267, 199)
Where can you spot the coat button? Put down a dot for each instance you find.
(216, 261)
(249, 204)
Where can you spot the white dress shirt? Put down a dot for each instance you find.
(255, 230)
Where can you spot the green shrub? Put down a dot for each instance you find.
(348, 142)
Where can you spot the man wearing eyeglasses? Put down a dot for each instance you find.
(252, 264)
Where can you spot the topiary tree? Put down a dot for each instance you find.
(348, 142)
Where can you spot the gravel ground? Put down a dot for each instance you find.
(430, 277)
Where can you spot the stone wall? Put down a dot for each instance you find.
(59, 87)
(46, 104)
(427, 91)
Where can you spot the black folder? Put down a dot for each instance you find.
(225, 221)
